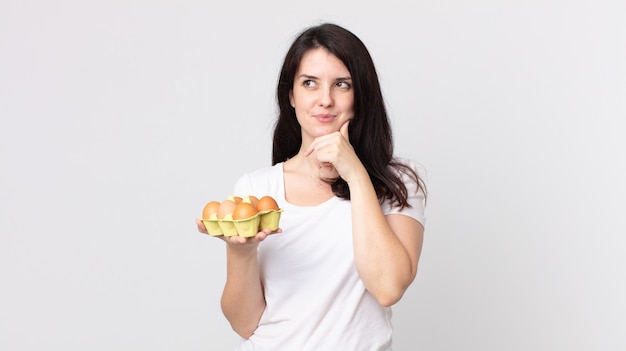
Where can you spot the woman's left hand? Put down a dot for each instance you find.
(334, 155)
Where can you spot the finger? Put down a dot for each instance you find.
(344, 130)
(201, 227)
(309, 150)
(308, 153)
(235, 240)
(329, 166)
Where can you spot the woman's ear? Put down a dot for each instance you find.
(291, 99)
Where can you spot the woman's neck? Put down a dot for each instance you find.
(303, 185)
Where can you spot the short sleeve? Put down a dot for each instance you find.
(415, 197)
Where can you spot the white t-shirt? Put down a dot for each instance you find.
(315, 298)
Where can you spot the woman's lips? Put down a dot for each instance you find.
(324, 118)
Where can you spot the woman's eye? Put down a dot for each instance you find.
(308, 83)
(343, 85)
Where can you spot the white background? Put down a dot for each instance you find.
(120, 119)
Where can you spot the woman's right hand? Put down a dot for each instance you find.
(240, 241)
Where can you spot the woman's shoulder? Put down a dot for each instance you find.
(411, 174)
(402, 164)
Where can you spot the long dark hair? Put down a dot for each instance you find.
(369, 130)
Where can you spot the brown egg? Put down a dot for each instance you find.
(266, 203)
(251, 199)
(244, 210)
(210, 209)
(226, 208)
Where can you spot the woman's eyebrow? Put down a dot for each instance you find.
(306, 76)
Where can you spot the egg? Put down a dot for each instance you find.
(251, 199)
(266, 203)
(225, 209)
(210, 209)
(244, 210)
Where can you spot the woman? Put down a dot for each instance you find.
(352, 227)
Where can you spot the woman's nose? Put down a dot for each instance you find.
(326, 97)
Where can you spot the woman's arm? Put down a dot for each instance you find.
(386, 248)
(243, 301)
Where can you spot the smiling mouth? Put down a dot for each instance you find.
(325, 118)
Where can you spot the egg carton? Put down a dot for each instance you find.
(247, 227)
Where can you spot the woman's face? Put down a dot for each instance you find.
(322, 94)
